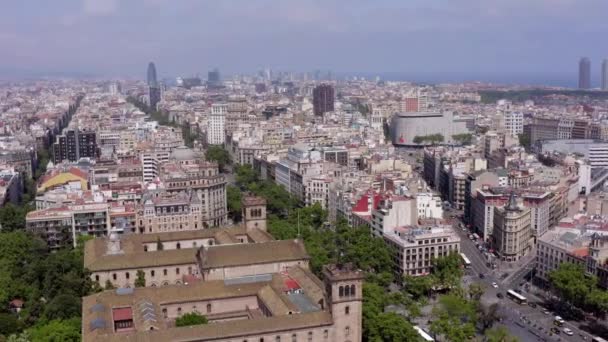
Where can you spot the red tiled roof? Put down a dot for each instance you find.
(122, 314)
(362, 204)
(291, 284)
(581, 252)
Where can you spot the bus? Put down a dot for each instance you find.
(465, 260)
(516, 297)
(425, 336)
(598, 339)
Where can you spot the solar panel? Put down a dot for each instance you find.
(97, 308)
(97, 323)
(124, 291)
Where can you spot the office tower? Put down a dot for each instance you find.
(584, 73)
(216, 123)
(323, 99)
(73, 145)
(154, 96)
(152, 81)
(605, 74)
(213, 78)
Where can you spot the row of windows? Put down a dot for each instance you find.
(152, 273)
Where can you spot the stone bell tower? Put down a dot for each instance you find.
(344, 290)
(254, 212)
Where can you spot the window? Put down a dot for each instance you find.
(340, 291)
(97, 278)
(177, 270)
(165, 271)
(152, 273)
(127, 275)
(310, 336)
(352, 290)
(178, 246)
(165, 313)
(347, 331)
(347, 291)
(277, 339)
(326, 334)
(179, 311)
(347, 310)
(294, 338)
(114, 276)
(208, 308)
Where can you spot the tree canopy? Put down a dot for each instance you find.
(191, 318)
(219, 155)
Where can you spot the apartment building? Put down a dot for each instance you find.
(393, 212)
(416, 247)
(512, 235)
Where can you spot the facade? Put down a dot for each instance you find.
(169, 212)
(151, 75)
(584, 73)
(406, 126)
(154, 96)
(323, 99)
(74, 144)
(416, 247)
(393, 212)
(512, 233)
(598, 155)
(216, 134)
(429, 205)
(514, 123)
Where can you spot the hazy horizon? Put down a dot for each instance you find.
(503, 41)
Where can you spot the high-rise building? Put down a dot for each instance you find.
(605, 74)
(213, 78)
(323, 99)
(584, 73)
(152, 80)
(216, 123)
(154, 96)
(73, 145)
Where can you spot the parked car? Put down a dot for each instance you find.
(494, 285)
(568, 332)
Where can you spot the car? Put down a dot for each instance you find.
(499, 295)
(532, 305)
(494, 285)
(546, 312)
(559, 319)
(555, 330)
(481, 275)
(568, 332)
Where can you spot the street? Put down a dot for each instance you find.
(523, 321)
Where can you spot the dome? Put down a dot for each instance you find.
(183, 153)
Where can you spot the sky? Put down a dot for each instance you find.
(446, 38)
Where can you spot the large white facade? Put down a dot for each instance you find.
(514, 123)
(429, 205)
(215, 125)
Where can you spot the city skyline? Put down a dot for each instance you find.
(387, 37)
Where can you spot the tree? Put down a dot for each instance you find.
(219, 155)
(524, 140)
(63, 306)
(9, 324)
(476, 291)
(140, 280)
(499, 334)
(455, 318)
(488, 315)
(392, 327)
(12, 218)
(571, 282)
(109, 285)
(418, 140)
(419, 287)
(57, 331)
(463, 139)
(233, 199)
(245, 175)
(448, 270)
(191, 318)
(597, 302)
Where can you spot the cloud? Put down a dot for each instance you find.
(100, 7)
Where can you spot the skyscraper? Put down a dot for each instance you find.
(213, 78)
(605, 74)
(323, 99)
(152, 81)
(584, 73)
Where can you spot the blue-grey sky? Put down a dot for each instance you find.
(119, 37)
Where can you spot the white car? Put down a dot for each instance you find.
(568, 332)
(494, 285)
(559, 319)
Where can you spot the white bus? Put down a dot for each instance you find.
(425, 336)
(516, 297)
(465, 260)
(598, 339)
